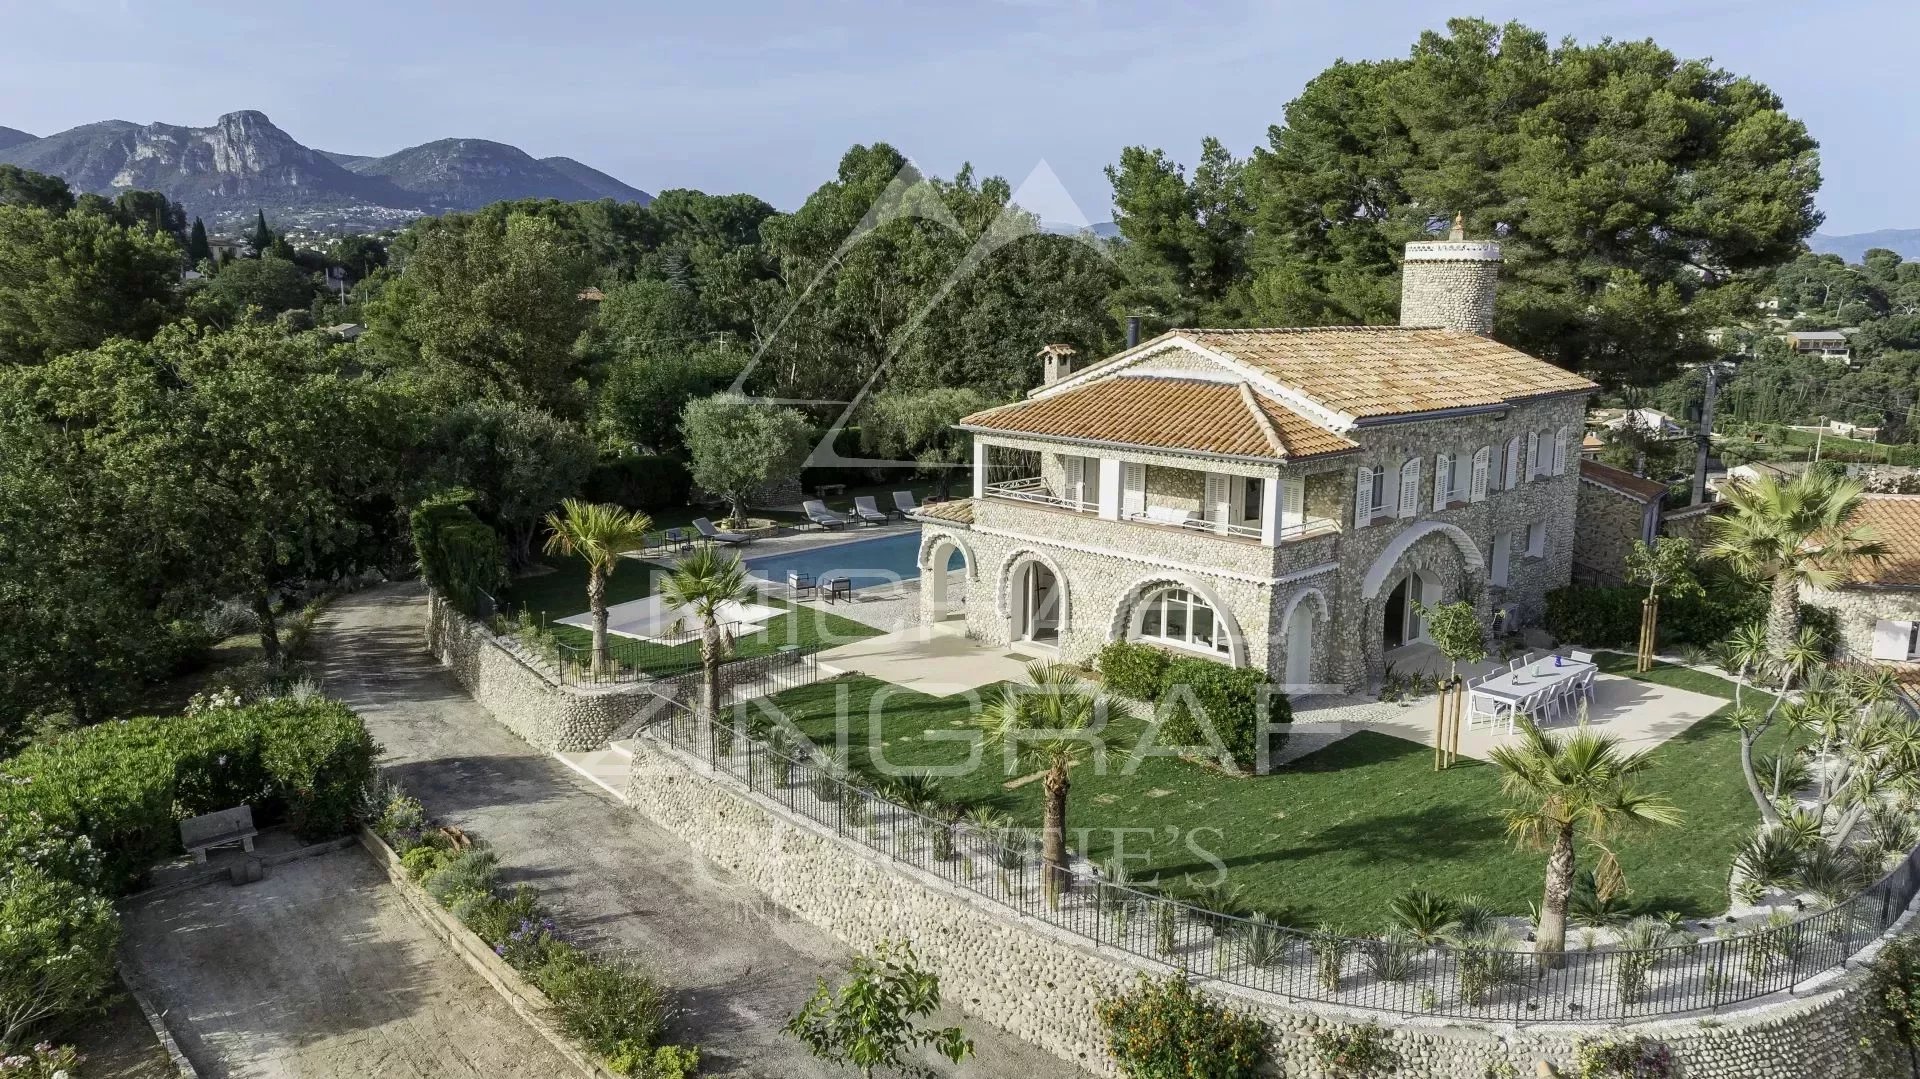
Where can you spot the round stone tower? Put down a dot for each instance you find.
(1450, 282)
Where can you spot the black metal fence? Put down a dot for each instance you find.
(1490, 977)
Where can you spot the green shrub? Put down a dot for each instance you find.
(423, 860)
(124, 787)
(1167, 1029)
(1703, 617)
(57, 942)
(460, 555)
(1597, 617)
(1197, 695)
(609, 1006)
(467, 872)
(42, 1061)
(492, 917)
(1354, 1051)
(667, 1062)
(1134, 670)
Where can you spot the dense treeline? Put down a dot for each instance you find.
(178, 428)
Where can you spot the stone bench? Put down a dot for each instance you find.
(208, 830)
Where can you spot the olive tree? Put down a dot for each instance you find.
(740, 446)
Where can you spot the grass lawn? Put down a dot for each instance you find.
(1336, 834)
(562, 592)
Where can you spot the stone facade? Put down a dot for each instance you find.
(1858, 610)
(1609, 524)
(1043, 984)
(548, 715)
(1341, 576)
(1450, 283)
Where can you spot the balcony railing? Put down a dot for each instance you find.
(1033, 489)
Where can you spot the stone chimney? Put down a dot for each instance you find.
(1450, 282)
(1056, 363)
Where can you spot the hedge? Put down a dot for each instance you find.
(124, 787)
(1228, 698)
(460, 555)
(1609, 617)
(641, 482)
(1134, 670)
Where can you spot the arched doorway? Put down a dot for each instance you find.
(1037, 604)
(1300, 628)
(1400, 620)
(945, 570)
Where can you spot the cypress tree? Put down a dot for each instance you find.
(198, 250)
(262, 235)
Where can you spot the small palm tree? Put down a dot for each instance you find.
(600, 534)
(1562, 787)
(1789, 534)
(1051, 723)
(703, 583)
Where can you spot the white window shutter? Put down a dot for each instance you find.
(1294, 502)
(1560, 451)
(1511, 478)
(1219, 507)
(1076, 478)
(1133, 489)
(1407, 491)
(1890, 639)
(1442, 479)
(1533, 454)
(1363, 498)
(1477, 486)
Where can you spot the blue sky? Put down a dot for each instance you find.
(765, 97)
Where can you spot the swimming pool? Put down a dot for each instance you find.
(880, 560)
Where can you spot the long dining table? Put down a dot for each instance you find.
(1510, 690)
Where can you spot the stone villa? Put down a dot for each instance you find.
(1274, 498)
(1877, 609)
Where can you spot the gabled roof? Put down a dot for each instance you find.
(1355, 374)
(1194, 415)
(1622, 482)
(1895, 522)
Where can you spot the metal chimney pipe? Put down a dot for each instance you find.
(1133, 330)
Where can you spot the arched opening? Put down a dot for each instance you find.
(1037, 604)
(1400, 621)
(1301, 635)
(1180, 618)
(944, 577)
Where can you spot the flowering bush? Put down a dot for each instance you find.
(1167, 1029)
(1627, 1058)
(44, 1061)
(57, 942)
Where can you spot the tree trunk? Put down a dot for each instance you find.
(738, 501)
(1783, 615)
(597, 603)
(269, 629)
(710, 668)
(1053, 850)
(1552, 938)
(1769, 816)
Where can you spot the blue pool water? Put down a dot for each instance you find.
(881, 560)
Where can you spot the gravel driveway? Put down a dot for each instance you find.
(321, 970)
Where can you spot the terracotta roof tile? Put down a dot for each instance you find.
(1895, 521)
(1618, 479)
(1190, 414)
(958, 511)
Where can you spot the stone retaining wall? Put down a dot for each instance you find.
(550, 716)
(1042, 984)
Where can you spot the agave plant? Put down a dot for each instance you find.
(1891, 831)
(1423, 912)
(1770, 858)
(1262, 940)
(1587, 907)
(1833, 874)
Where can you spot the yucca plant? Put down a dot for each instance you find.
(1587, 907)
(1262, 940)
(1833, 874)
(1329, 956)
(1215, 903)
(1891, 831)
(1473, 916)
(1643, 944)
(1490, 963)
(1390, 957)
(1782, 773)
(1423, 912)
(1770, 858)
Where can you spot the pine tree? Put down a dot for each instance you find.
(198, 250)
(262, 235)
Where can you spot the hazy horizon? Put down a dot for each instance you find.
(766, 101)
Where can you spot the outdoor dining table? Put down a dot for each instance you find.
(1510, 689)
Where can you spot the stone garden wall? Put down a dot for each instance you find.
(549, 716)
(1043, 984)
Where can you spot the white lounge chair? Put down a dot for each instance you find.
(864, 508)
(819, 514)
(714, 535)
(903, 504)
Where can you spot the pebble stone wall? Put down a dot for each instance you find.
(1858, 610)
(549, 716)
(1042, 985)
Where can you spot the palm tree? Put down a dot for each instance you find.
(1565, 786)
(1049, 725)
(600, 534)
(1790, 534)
(703, 583)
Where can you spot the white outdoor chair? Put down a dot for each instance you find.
(1478, 706)
(1513, 667)
(1580, 657)
(819, 514)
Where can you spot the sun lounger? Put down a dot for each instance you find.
(819, 514)
(867, 511)
(714, 535)
(903, 504)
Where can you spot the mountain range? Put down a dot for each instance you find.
(243, 163)
(1853, 246)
